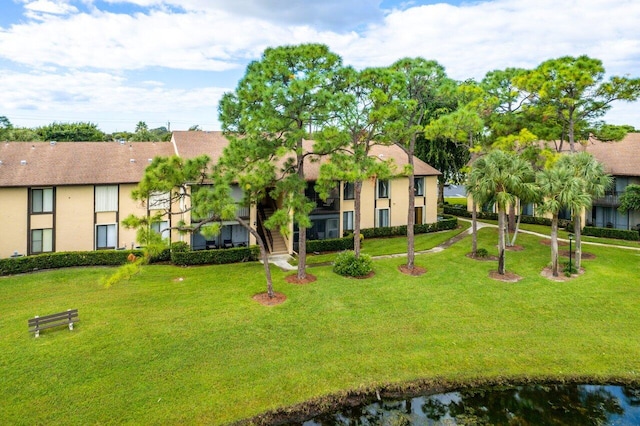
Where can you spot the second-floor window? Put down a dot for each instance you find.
(42, 200)
(418, 186)
(159, 200)
(382, 189)
(349, 191)
(107, 198)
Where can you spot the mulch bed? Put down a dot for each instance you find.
(507, 277)
(264, 299)
(293, 279)
(587, 256)
(416, 272)
(547, 242)
(547, 273)
(482, 258)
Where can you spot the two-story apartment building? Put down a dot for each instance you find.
(69, 196)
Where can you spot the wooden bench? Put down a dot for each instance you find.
(54, 320)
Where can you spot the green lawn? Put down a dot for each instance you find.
(188, 345)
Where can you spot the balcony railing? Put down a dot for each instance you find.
(611, 200)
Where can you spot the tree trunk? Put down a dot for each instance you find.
(474, 229)
(411, 213)
(512, 220)
(501, 230)
(554, 245)
(357, 189)
(263, 254)
(515, 231)
(441, 192)
(577, 231)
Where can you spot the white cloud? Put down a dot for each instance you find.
(35, 9)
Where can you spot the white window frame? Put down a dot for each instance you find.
(112, 240)
(106, 198)
(45, 241)
(418, 186)
(162, 228)
(43, 197)
(159, 200)
(379, 221)
(348, 221)
(383, 183)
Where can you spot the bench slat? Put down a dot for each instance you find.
(54, 320)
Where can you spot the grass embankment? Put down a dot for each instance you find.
(189, 345)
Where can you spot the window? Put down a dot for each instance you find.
(161, 228)
(419, 216)
(418, 186)
(42, 200)
(347, 221)
(159, 200)
(349, 191)
(106, 236)
(41, 240)
(107, 198)
(383, 189)
(382, 218)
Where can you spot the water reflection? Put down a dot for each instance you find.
(523, 405)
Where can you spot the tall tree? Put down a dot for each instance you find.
(356, 127)
(593, 181)
(280, 99)
(504, 102)
(504, 175)
(572, 92)
(418, 93)
(559, 189)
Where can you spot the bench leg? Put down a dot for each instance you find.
(71, 326)
(37, 333)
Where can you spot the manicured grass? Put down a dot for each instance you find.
(395, 245)
(188, 345)
(456, 200)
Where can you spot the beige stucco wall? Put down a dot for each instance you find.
(126, 207)
(74, 230)
(13, 221)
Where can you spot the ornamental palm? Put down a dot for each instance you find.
(560, 188)
(502, 176)
(594, 182)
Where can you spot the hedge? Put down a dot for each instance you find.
(331, 244)
(217, 256)
(448, 222)
(619, 234)
(532, 220)
(20, 265)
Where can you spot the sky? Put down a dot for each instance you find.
(168, 62)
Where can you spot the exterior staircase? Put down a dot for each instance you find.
(275, 242)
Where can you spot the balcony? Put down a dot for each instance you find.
(609, 200)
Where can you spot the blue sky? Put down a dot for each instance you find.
(117, 62)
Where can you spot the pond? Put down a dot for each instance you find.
(521, 405)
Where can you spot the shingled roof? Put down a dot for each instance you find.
(99, 163)
(76, 163)
(619, 158)
(190, 144)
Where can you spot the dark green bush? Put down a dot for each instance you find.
(347, 264)
(448, 222)
(482, 252)
(531, 220)
(619, 234)
(24, 264)
(218, 256)
(180, 246)
(331, 244)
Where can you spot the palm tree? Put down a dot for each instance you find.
(560, 188)
(504, 175)
(594, 183)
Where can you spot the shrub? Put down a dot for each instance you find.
(331, 244)
(482, 252)
(180, 247)
(20, 265)
(568, 271)
(447, 222)
(619, 234)
(218, 256)
(347, 264)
